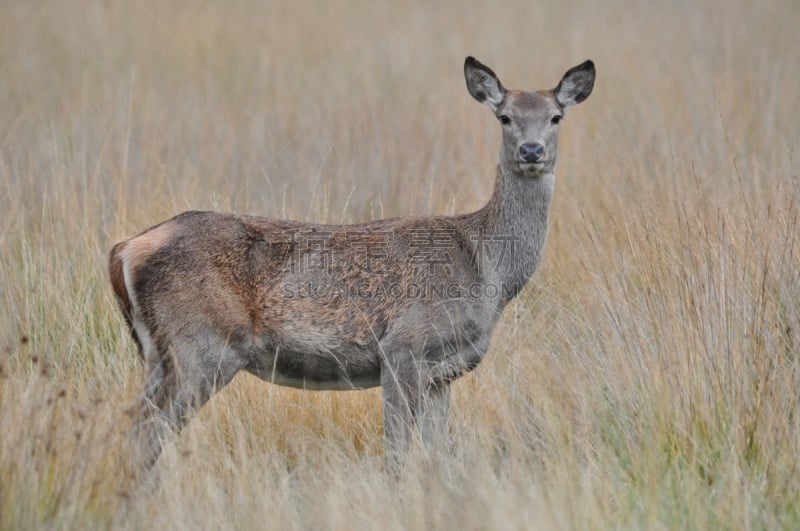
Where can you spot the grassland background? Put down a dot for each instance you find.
(648, 377)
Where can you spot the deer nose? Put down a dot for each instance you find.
(531, 152)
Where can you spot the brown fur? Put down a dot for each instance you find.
(117, 278)
(139, 248)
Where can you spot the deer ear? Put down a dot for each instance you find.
(576, 85)
(483, 84)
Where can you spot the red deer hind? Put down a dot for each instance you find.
(408, 304)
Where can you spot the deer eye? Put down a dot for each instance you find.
(505, 119)
(555, 119)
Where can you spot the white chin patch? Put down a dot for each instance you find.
(531, 167)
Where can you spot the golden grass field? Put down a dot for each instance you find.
(647, 378)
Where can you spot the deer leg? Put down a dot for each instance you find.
(179, 382)
(414, 406)
(401, 388)
(151, 425)
(433, 420)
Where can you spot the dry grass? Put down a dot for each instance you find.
(647, 378)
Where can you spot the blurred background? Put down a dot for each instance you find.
(646, 378)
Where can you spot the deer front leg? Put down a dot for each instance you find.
(414, 406)
(401, 387)
(433, 417)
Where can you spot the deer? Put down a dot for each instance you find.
(407, 304)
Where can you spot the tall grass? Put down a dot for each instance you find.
(648, 377)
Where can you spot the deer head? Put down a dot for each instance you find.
(529, 120)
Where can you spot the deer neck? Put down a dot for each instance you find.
(514, 226)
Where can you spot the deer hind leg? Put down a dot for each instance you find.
(180, 380)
